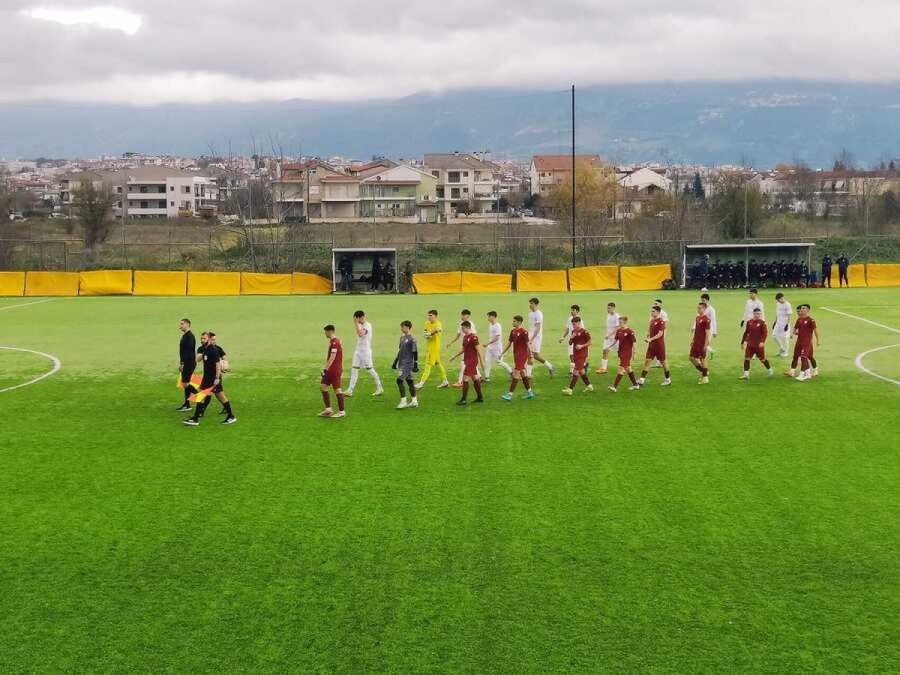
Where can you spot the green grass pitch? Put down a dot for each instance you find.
(740, 526)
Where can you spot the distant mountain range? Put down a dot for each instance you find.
(761, 123)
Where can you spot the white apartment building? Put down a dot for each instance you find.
(150, 192)
(464, 183)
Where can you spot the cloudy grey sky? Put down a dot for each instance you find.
(160, 51)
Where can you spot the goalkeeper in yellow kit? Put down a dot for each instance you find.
(433, 330)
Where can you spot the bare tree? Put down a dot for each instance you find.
(94, 206)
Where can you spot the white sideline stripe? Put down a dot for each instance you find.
(859, 318)
(858, 361)
(57, 364)
(25, 304)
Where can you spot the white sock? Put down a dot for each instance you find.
(549, 365)
(746, 373)
(528, 369)
(604, 363)
(375, 377)
(354, 378)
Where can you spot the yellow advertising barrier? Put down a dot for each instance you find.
(43, 284)
(309, 284)
(105, 282)
(595, 278)
(265, 284)
(882, 274)
(478, 282)
(550, 280)
(427, 283)
(214, 283)
(160, 283)
(645, 278)
(856, 275)
(12, 284)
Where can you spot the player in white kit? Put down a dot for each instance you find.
(536, 336)
(713, 324)
(781, 331)
(362, 357)
(493, 353)
(464, 315)
(753, 302)
(609, 338)
(574, 311)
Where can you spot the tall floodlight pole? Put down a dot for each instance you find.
(573, 175)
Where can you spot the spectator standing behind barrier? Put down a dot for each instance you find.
(346, 269)
(408, 276)
(843, 265)
(377, 269)
(826, 271)
(387, 276)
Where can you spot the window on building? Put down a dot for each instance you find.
(454, 193)
(144, 205)
(172, 189)
(172, 204)
(186, 189)
(465, 174)
(453, 176)
(395, 190)
(143, 189)
(465, 191)
(436, 174)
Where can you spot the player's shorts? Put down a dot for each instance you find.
(609, 344)
(697, 351)
(405, 371)
(536, 344)
(433, 356)
(580, 360)
(625, 359)
(362, 359)
(520, 361)
(656, 350)
(754, 350)
(470, 369)
(208, 384)
(187, 370)
(803, 351)
(780, 330)
(332, 378)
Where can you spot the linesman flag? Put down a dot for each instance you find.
(199, 395)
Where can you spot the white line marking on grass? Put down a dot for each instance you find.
(25, 304)
(57, 364)
(859, 318)
(858, 361)
(859, 364)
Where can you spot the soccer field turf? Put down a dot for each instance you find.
(738, 526)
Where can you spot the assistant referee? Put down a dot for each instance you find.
(187, 354)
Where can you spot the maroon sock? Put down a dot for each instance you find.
(584, 378)
(618, 379)
(643, 374)
(632, 377)
(573, 381)
(804, 363)
(327, 398)
(813, 362)
(526, 381)
(340, 398)
(513, 384)
(666, 373)
(704, 372)
(698, 367)
(747, 364)
(465, 389)
(793, 363)
(477, 384)
(765, 363)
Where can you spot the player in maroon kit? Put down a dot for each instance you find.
(754, 343)
(580, 339)
(331, 374)
(656, 347)
(804, 330)
(700, 343)
(626, 339)
(520, 342)
(472, 360)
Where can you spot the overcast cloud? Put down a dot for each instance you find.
(242, 50)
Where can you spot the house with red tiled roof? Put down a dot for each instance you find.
(548, 171)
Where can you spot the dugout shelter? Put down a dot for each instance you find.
(694, 256)
(364, 270)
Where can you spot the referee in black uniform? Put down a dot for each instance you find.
(212, 382)
(187, 354)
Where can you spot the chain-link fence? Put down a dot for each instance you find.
(486, 247)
